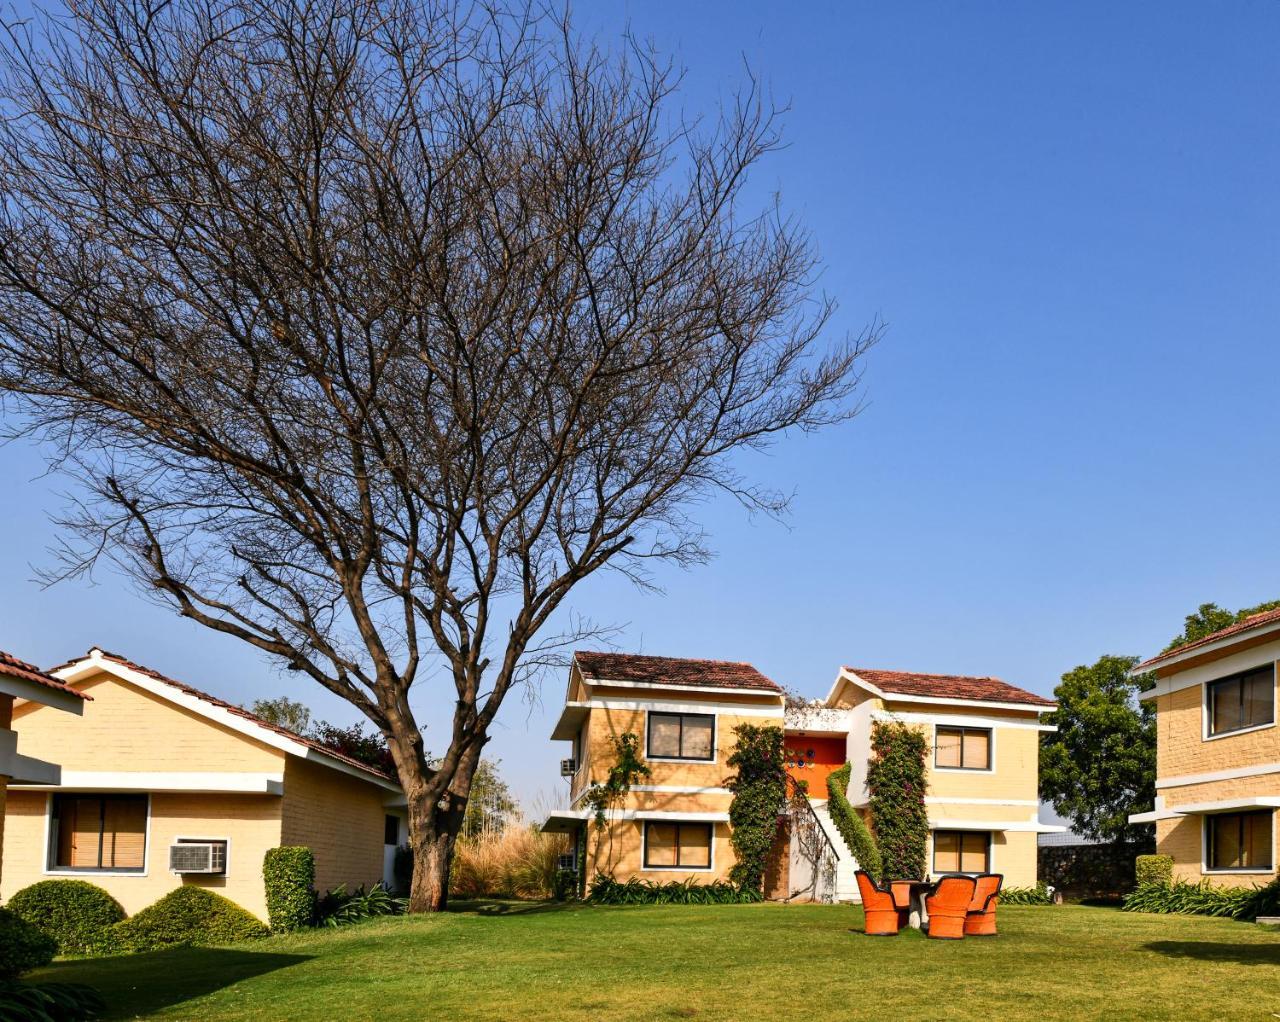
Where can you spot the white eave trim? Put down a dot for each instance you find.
(1226, 805)
(570, 719)
(711, 689)
(961, 720)
(95, 663)
(1181, 655)
(897, 697)
(28, 770)
(204, 782)
(1182, 780)
(33, 692)
(1014, 826)
(582, 815)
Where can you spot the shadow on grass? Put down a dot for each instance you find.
(1215, 951)
(509, 908)
(134, 985)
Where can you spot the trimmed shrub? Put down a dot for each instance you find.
(187, 917)
(75, 913)
(289, 875)
(1153, 869)
(1038, 895)
(23, 946)
(850, 825)
(50, 1002)
(607, 891)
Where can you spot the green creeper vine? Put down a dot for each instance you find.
(628, 768)
(896, 781)
(759, 794)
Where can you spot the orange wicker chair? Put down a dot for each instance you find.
(980, 920)
(901, 891)
(877, 905)
(948, 905)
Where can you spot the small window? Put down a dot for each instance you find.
(98, 833)
(1243, 700)
(1239, 840)
(390, 830)
(962, 748)
(682, 735)
(961, 851)
(677, 845)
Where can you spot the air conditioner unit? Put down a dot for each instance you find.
(568, 767)
(198, 857)
(569, 862)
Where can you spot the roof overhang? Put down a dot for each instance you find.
(164, 781)
(569, 722)
(561, 821)
(1011, 826)
(1161, 662)
(34, 692)
(96, 663)
(705, 689)
(853, 678)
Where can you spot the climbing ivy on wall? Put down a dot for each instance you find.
(628, 768)
(850, 824)
(896, 782)
(759, 794)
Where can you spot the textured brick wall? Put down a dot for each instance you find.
(339, 818)
(1090, 871)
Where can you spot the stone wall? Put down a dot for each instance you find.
(1090, 871)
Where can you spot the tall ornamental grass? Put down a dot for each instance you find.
(518, 862)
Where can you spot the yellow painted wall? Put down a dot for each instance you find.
(340, 818)
(1182, 749)
(624, 860)
(251, 823)
(126, 728)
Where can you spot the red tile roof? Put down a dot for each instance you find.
(239, 711)
(12, 667)
(1267, 617)
(948, 686)
(665, 670)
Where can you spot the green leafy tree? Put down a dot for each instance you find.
(1210, 618)
(1100, 765)
(759, 795)
(283, 712)
(896, 783)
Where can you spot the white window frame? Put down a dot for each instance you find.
(970, 771)
(715, 736)
(50, 870)
(644, 846)
(1204, 846)
(991, 850)
(1206, 712)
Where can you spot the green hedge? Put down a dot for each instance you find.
(23, 946)
(1153, 869)
(850, 825)
(289, 875)
(1203, 899)
(187, 917)
(607, 891)
(77, 914)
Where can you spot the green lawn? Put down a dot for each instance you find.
(503, 961)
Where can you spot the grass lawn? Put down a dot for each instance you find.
(505, 961)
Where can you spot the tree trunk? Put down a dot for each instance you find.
(434, 825)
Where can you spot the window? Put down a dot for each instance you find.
(682, 735)
(961, 851)
(963, 748)
(1241, 701)
(1239, 840)
(390, 830)
(99, 832)
(677, 846)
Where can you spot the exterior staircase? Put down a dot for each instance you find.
(846, 864)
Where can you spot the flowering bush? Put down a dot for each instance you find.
(896, 781)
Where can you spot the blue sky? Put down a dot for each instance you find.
(1068, 216)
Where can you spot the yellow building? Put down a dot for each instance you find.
(163, 785)
(1218, 754)
(982, 776)
(26, 683)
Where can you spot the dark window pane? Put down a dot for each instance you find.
(391, 830)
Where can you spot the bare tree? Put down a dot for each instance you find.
(372, 327)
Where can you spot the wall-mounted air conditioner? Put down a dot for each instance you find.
(198, 857)
(568, 767)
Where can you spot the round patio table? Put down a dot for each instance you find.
(918, 915)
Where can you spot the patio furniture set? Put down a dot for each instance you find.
(953, 907)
